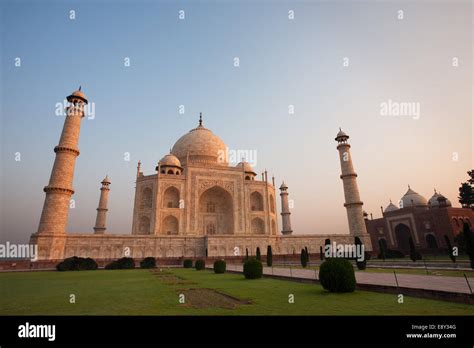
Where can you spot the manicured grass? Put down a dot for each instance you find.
(141, 292)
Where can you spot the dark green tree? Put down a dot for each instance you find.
(466, 192)
(468, 242)
(450, 249)
(414, 255)
(382, 249)
(259, 257)
(361, 265)
(321, 253)
(303, 258)
(269, 256)
(246, 253)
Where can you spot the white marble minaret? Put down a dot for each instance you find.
(285, 210)
(59, 190)
(353, 203)
(102, 208)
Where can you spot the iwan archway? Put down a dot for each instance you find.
(216, 213)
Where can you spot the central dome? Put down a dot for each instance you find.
(202, 146)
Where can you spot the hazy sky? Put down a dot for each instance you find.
(283, 62)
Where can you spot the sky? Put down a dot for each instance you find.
(335, 63)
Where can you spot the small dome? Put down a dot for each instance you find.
(390, 207)
(436, 199)
(246, 167)
(283, 186)
(341, 136)
(170, 160)
(77, 94)
(411, 198)
(106, 180)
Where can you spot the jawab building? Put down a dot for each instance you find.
(195, 204)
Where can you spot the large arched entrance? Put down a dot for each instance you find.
(403, 234)
(216, 213)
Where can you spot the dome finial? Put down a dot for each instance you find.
(409, 186)
(80, 87)
(435, 191)
(200, 119)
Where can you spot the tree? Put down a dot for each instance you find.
(469, 243)
(382, 249)
(361, 265)
(304, 259)
(321, 253)
(450, 249)
(414, 255)
(246, 253)
(466, 192)
(269, 256)
(259, 257)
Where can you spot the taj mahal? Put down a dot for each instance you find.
(194, 205)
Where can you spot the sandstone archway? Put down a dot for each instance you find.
(170, 225)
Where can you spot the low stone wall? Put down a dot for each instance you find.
(105, 246)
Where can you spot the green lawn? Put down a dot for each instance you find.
(141, 292)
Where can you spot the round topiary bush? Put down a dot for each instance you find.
(200, 265)
(123, 263)
(188, 263)
(253, 269)
(219, 266)
(77, 264)
(337, 275)
(148, 262)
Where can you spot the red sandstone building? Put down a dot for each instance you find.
(426, 222)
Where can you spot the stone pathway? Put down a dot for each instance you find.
(450, 284)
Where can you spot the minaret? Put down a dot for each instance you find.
(59, 190)
(102, 209)
(353, 203)
(285, 210)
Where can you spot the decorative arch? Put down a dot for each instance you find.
(403, 234)
(170, 171)
(256, 201)
(144, 225)
(170, 225)
(171, 198)
(146, 199)
(273, 227)
(216, 211)
(258, 226)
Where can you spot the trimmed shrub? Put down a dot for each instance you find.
(337, 275)
(219, 266)
(303, 258)
(393, 254)
(361, 265)
(321, 253)
(123, 263)
(148, 262)
(269, 256)
(469, 243)
(259, 256)
(414, 255)
(450, 249)
(188, 263)
(77, 264)
(199, 265)
(253, 269)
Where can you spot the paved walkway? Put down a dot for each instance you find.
(440, 283)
